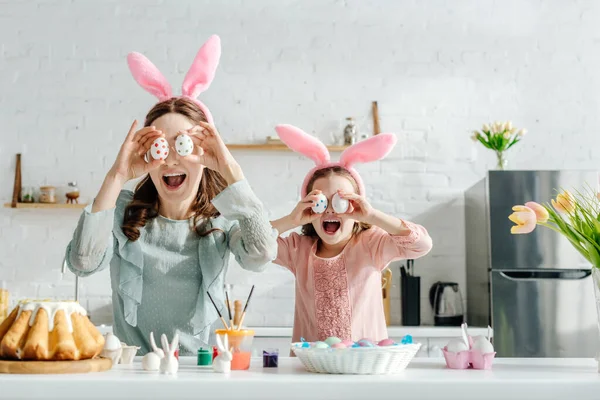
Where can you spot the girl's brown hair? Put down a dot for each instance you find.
(309, 229)
(145, 203)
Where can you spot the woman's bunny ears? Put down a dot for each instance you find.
(372, 149)
(197, 80)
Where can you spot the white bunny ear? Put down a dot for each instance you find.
(165, 343)
(175, 343)
(372, 149)
(219, 343)
(226, 343)
(148, 76)
(152, 342)
(202, 71)
(303, 143)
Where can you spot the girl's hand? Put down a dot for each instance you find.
(130, 162)
(302, 214)
(211, 152)
(359, 208)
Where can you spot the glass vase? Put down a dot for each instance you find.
(502, 161)
(596, 282)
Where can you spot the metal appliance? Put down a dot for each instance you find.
(447, 303)
(535, 290)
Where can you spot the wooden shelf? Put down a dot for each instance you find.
(45, 205)
(275, 147)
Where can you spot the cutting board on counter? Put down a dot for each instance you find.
(55, 367)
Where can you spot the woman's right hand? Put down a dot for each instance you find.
(302, 214)
(130, 162)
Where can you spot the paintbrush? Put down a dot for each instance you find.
(218, 312)
(245, 307)
(229, 309)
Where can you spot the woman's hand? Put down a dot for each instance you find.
(359, 208)
(211, 152)
(301, 214)
(130, 162)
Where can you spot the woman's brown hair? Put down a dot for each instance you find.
(309, 229)
(144, 205)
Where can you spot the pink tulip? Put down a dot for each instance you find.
(565, 202)
(524, 218)
(540, 211)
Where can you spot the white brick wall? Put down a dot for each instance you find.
(437, 68)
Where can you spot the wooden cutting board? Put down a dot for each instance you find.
(55, 367)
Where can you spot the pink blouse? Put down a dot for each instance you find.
(341, 296)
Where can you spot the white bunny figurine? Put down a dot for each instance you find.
(169, 364)
(222, 362)
(151, 361)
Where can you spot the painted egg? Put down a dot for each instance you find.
(356, 345)
(321, 345)
(339, 205)
(338, 346)
(386, 342)
(159, 149)
(407, 339)
(365, 343)
(184, 145)
(456, 346)
(321, 204)
(333, 340)
(347, 343)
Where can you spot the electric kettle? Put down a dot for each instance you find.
(447, 302)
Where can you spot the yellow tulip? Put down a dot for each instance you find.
(524, 218)
(540, 211)
(565, 202)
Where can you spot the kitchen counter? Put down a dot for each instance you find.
(529, 379)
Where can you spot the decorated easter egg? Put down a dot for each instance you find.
(456, 346)
(407, 339)
(365, 343)
(339, 205)
(386, 342)
(338, 346)
(482, 344)
(347, 343)
(321, 345)
(159, 149)
(184, 145)
(321, 204)
(332, 340)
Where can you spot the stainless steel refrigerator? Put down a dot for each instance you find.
(534, 290)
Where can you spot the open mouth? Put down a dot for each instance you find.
(174, 181)
(331, 226)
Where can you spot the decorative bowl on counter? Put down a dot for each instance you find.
(356, 360)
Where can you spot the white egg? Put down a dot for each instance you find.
(159, 149)
(482, 344)
(456, 346)
(339, 205)
(321, 204)
(111, 342)
(184, 145)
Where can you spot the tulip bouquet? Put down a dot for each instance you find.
(500, 137)
(577, 217)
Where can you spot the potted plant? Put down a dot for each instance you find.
(499, 136)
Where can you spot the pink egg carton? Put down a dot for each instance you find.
(469, 358)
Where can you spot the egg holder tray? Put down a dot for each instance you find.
(357, 360)
(468, 358)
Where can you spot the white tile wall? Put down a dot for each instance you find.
(437, 68)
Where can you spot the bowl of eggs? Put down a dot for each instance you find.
(468, 352)
(366, 356)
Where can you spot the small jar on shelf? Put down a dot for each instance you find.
(72, 193)
(27, 194)
(47, 194)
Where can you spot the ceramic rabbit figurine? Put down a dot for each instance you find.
(169, 364)
(151, 361)
(222, 362)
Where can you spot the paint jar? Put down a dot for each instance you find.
(205, 357)
(270, 358)
(240, 343)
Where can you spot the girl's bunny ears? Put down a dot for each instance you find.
(197, 80)
(372, 149)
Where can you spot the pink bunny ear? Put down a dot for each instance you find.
(148, 76)
(202, 71)
(372, 149)
(303, 143)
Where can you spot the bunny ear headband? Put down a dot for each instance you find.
(197, 80)
(372, 149)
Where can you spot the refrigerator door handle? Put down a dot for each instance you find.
(572, 274)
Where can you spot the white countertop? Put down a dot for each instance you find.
(393, 331)
(530, 379)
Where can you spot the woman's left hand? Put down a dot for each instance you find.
(359, 208)
(211, 152)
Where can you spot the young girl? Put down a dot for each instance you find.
(168, 242)
(339, 257)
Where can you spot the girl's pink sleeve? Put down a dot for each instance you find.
(385, 248)
(287, 248)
